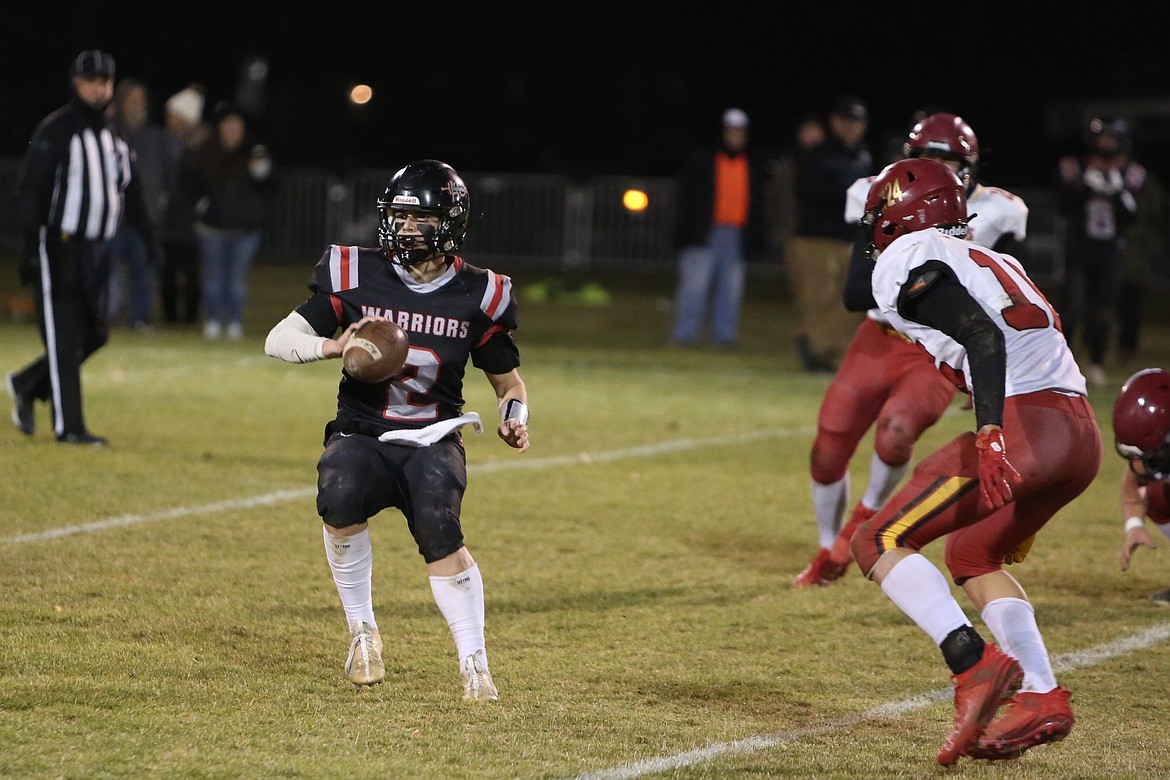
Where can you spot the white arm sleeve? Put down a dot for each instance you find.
(294, 340)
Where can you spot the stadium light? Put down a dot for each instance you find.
(635, 200)
(360, 95)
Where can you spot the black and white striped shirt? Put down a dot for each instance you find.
(77, 178)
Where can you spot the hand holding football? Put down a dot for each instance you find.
(375, 351)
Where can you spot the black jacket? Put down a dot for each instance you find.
(695, 201)
(823, 174)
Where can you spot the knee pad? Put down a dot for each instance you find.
(437, 536)
(894, 439)
(342, 488)
(865, 549)
(829, 459)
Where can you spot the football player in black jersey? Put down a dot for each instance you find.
(397, 443)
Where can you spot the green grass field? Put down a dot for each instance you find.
(166, 610)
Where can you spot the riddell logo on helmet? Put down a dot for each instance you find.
(406, 200)
(958, 231)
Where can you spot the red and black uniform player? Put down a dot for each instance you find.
(397, 443)
(1035, 448)
(465, 312)
(1141, 431)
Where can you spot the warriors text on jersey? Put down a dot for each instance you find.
(465, 312)
(1038, 357)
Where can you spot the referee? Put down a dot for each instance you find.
(75, 186)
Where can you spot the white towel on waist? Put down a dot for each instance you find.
(425, 437)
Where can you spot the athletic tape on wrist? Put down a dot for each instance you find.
(514, 410)
(1132, 523)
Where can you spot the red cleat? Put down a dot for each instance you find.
(821, 571)
(1030, 719)
(978, 693)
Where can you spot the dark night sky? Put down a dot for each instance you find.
(604, 87)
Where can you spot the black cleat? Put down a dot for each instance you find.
(22, 409)
(85, 438)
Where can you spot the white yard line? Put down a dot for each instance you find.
(1062, 663)
(1065, 662)
(518, 462)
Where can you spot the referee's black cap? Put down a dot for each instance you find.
(93, 63)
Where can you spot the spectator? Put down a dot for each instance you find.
(232, 177)
(780, 189)
(822, 244)
(1098, 199)
(180, 271)
(1141, 430)
(1144, 241)
(718, 221)
(397, 443)
(77, 182)
(132, 272)
(1035, 448)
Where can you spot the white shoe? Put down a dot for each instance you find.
(212, 330)
(1095, 375)
(477, 680)
(235, 331)
(364, 665)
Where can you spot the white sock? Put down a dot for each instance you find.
(920, 590)
(1013, 623)
(351, 559)
(829, 502)
(460, 599)
(883, 478)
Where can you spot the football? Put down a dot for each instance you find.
(376, 351)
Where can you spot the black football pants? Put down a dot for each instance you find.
(70, 294)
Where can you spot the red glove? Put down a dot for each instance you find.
(996, 474)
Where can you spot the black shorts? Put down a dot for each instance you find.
(358, 476)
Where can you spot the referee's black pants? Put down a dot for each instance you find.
(70, 292)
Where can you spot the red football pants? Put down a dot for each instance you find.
(1054, 443)
(886, 379)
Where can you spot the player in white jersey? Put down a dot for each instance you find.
(1036, 447)
(884, 382)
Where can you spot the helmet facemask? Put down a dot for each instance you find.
(411, 248)
(1151, 465)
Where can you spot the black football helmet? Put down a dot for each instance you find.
(1108, 136)
(430, 187)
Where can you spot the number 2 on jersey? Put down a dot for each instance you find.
(409, 397)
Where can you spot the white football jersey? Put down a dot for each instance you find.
(855, 198)
(995, 213)
(1038, 357)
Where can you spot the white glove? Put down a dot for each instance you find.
(1107, 183)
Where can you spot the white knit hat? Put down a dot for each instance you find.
(735, 117)
(187, 104)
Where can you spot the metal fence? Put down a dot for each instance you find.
(533, 222)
